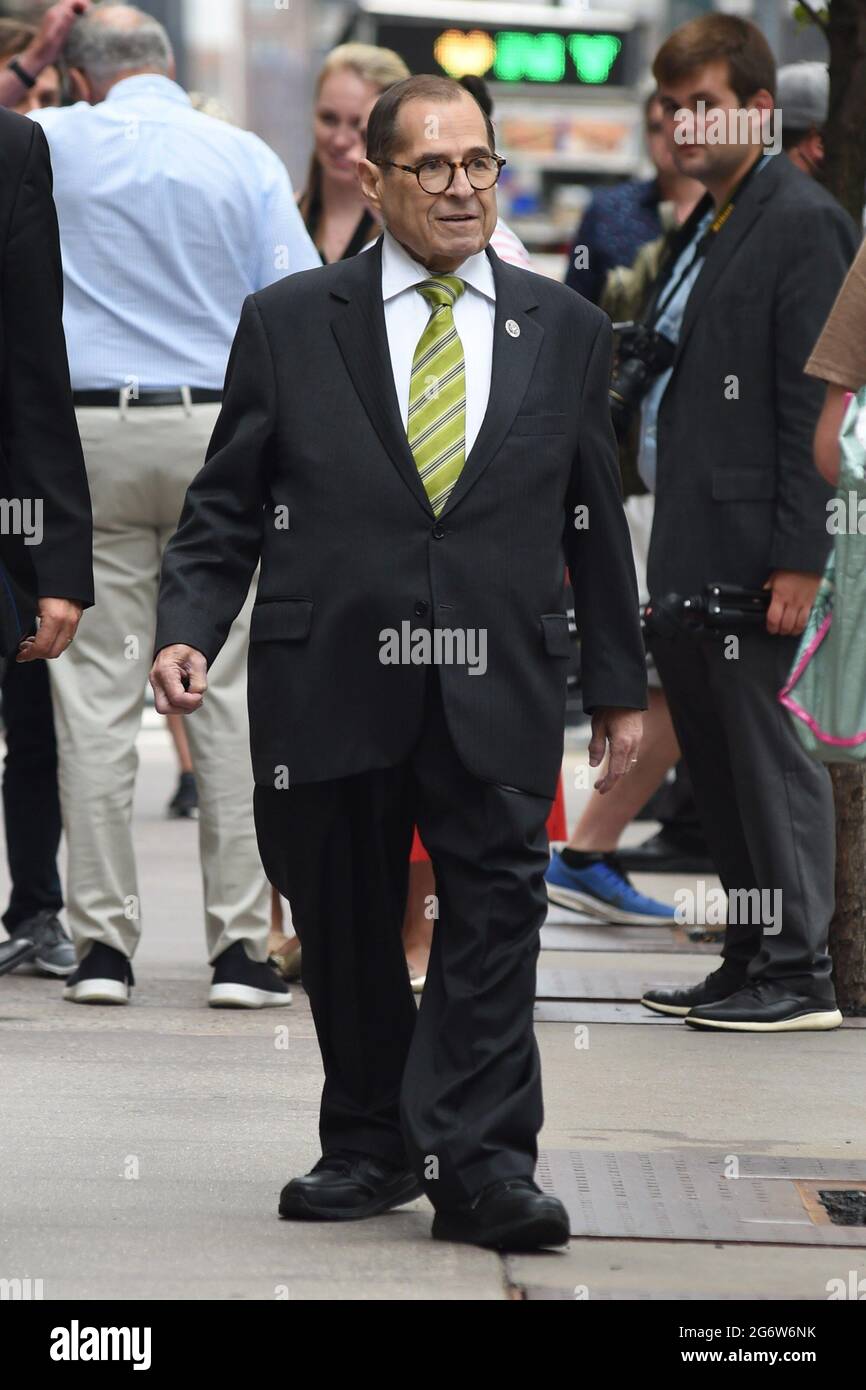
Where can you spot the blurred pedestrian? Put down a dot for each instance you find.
(28, 72)
(839, 360)
(45, 552)
(623, 217)
(168, 219)
(331, 203)
(15, 43)
(727, 422)
(803, 97)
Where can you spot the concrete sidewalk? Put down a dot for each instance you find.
(143, 1148)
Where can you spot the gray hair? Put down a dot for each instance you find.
(101, 48)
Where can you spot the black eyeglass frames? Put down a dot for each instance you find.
(437, 175)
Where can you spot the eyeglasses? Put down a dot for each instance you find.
(437, 175)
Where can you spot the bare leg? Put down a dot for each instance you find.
(417, 926)
(284, 951)
(606, 817)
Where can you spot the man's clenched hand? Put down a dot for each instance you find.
(58, 620)
(179, 679)
(619, 731)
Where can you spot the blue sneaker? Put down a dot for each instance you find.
(603, 890)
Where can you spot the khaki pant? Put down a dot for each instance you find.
(139, 464)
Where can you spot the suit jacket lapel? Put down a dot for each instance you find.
(363, 341)
(514, 357)
(726, 242)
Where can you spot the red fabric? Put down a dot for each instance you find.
(557, 828)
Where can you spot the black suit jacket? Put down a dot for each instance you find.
(310, 423)
(737, 493)
(40, 451)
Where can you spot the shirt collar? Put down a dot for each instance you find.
(400, 271)
(142, 83)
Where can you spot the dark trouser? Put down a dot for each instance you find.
(766, 806)
(455, 1087)
(31, 802)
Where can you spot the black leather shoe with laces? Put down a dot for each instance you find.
(681, 999)
(768, 1006)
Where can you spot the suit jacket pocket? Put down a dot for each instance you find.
(281, 620)
(554, 629)
(539, 424)
(743, 485)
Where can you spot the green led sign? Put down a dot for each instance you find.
(542, 57)
(593, 55)
(529, 57)
(554, 57)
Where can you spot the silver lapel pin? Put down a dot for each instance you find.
(512, 328)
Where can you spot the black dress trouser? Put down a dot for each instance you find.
(455, 1086)
(766, 806)
(31, 800)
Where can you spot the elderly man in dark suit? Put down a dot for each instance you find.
(727, 447)
(413, 443)
(45, 540)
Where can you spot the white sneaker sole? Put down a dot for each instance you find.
(97, 992)
(822, 1022)
(577, 902)
(679, 1010)
(231, 996)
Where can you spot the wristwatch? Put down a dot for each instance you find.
(23, 76)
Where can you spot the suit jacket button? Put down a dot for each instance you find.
(438, 532)
(421, 608)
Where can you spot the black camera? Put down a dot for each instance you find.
(719, 608)
(642, 354)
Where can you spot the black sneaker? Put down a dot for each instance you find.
(681, 999)
(347, 1186)
(241, 983)
(55, 953)
(184, 803)
(768, 1006)
(103, 977)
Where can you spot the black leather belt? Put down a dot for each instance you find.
(198, 395)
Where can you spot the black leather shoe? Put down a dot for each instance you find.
(768, 1006)
(512, 1214)
(681, 999)
(347, 1187)
(665, 853)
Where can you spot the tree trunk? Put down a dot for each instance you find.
(848, 927)
(844, 171)
(844, 174)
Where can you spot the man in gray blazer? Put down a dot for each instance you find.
(727, 447)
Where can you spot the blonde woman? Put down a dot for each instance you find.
(353, 77)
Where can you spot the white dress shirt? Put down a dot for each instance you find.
(407, 313)
(168, 220)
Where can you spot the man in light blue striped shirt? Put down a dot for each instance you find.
(168, 218)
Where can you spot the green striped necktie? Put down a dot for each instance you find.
(436, 427)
